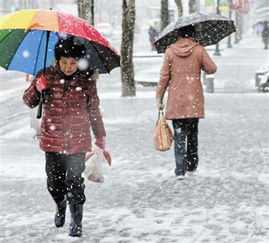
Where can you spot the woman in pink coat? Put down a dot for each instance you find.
(181, 76)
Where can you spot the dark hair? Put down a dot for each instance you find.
(69, 47)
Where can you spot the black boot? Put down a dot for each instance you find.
(59, 218)
(76, 211)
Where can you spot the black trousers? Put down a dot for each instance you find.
(186, 144)
(64, 177)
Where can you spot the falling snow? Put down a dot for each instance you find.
(26, 53)
(83, 64)
(52, 127)
(226, 201)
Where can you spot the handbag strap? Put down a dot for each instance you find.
(160, 113)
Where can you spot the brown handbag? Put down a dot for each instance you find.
(163, 136)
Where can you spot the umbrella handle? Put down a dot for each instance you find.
(39, 109)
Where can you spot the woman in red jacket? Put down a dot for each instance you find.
(70, 108)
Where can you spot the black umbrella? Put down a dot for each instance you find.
(208, 30)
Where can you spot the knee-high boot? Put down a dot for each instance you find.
(76, 211)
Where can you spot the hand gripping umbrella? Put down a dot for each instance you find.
(28, 37)
(208, 30)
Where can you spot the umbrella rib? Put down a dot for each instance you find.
(6, 36)
(43, 32)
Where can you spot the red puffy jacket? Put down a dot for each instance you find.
(70, 107)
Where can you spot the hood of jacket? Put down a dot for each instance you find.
(183, 47)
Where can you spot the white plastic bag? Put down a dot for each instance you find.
(96, 166)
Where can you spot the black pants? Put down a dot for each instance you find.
(186, 144)
(64, 177)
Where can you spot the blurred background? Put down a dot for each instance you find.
(148, 12)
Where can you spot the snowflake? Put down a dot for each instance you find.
(26, 53)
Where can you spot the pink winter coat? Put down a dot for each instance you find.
(181, 74)
(70, 108)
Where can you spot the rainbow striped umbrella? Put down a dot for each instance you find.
(28, 37)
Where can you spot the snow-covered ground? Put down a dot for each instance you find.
(226, 201)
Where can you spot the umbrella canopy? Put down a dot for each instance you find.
(208, 30)
(28, 37)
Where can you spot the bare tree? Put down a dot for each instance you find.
(127, 67)
(238, 26)
(164, 13)
(179, 7)
(192, 6)
(85, 10)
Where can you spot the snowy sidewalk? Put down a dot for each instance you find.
(225, 201)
